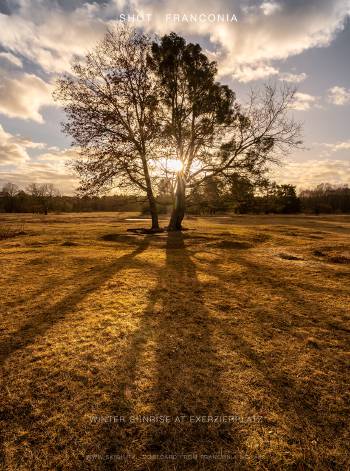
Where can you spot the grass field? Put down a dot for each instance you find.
(108, 337)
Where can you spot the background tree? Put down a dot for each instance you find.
(111, 104)
(43, 196)
(209, 198)
(273, 198)
(240, 193)
(326, 198)
(10, 191)
(237, 194)
(210, 133)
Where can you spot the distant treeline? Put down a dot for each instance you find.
(46, 198)
(240, 196)
(326, 198)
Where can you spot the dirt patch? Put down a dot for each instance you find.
(318, 253)
(8, 233)
(261, 237)
(340, 259)
(287, 256)
(291, 234)
(121, 238)
(232, 244)
(37, 244)
(331, 255)
(39, 261)
(312, 343)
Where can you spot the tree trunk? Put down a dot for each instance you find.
(151, 199)
(178, 212)
(153, 210)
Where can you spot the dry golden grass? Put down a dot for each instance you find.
(244, 317)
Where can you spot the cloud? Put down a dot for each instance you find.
(247, 73)
(13, 149)
(269, 8)
(11, 58)
(339, 96)
(342, 146)
(22, 96)
(58, 157)
(303, 101)
(265, 32)
(310, 173)
(48, 167)
(40, 173)
(339, 146)
(292, 78)
(52, 36)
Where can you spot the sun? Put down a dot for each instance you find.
(173, 165)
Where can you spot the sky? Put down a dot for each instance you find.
(304, 43)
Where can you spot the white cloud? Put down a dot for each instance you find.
(269, 8)
(264, 33)
(50, 36)
(13, 149)
(339, 96)
(303, 101)
(247, 73)
(257, 37)
(342, 146)
(310, 173)
(292, 78)
(339, 146)
(11, 58)
(41, 173)
(22, 96)
(48, 167)
(58, 157)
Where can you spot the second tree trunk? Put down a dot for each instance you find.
(178, 212)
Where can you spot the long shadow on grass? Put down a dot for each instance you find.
(39, 324)
(277, 282)
(300, 400)
(185, 381)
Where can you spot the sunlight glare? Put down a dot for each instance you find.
(174, 165)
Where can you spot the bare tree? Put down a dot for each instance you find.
(10, 191)
(43, 194)
(261, 133)
(111, 104)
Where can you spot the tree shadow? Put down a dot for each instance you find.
(262, 276)
(186, 381)
(40, 323)
(300, 400)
